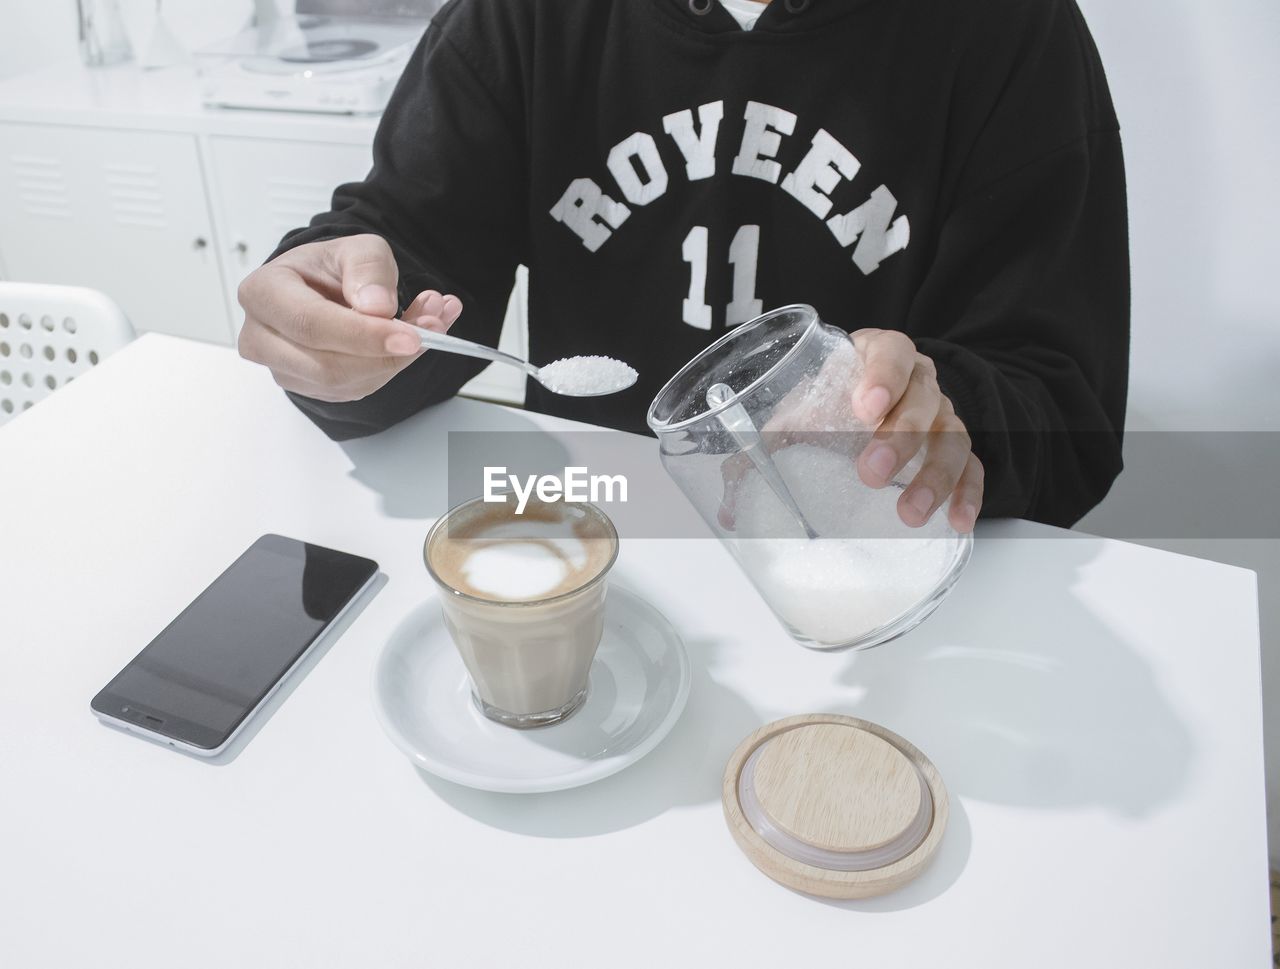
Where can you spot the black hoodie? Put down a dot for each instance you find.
(948, 168)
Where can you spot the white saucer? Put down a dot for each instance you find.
(638, 687)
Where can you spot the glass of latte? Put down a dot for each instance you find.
(523, 598)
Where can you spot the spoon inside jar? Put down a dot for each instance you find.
(735, 419)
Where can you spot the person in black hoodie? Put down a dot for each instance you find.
(942, 178)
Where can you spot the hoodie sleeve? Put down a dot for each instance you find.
(1026, 304)
(446, 192)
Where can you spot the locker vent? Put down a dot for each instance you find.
(136, 195)
(42, 186)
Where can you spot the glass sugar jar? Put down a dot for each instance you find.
(758, 431)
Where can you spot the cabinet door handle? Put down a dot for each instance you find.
(200, 243)
(242, 247)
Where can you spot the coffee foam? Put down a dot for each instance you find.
(488, 552)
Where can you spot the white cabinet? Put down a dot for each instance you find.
(262, 188)
(119, 180)
(121, 211)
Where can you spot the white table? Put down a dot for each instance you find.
(1093, 706)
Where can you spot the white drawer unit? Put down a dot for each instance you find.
(262, 188)
(119, 180)
(120, 211)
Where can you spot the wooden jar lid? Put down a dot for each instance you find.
(834, 806)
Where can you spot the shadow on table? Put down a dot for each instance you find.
(1027, 722)
(684, 769)
(408, 464)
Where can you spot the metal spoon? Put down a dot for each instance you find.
(742, 429)
(452, 344)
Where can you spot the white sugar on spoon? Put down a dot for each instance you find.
(591, 376)
(587, 376)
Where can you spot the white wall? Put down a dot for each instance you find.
(1195, 86)
(35, 33)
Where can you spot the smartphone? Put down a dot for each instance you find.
(198, 683)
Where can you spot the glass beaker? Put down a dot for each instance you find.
(758, 430)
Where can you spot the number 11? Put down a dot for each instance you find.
(743, 256)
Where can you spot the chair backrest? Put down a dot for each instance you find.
(49, 335)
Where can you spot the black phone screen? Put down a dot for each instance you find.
(213, 664)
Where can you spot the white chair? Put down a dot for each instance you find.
(49, 335)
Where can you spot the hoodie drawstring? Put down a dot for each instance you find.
(703, 7)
